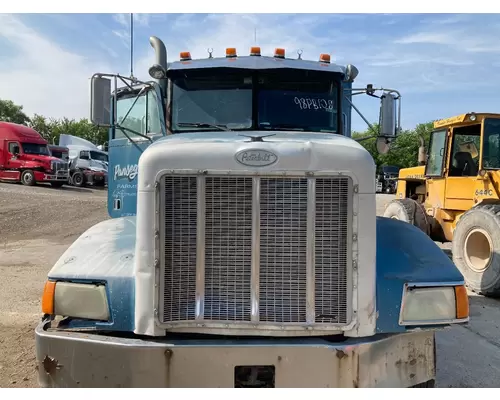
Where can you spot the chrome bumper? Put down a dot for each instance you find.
(70, 359)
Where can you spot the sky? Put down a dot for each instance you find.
(443, 64)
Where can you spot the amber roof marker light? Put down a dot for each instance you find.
(255, 51)
(231, 52)
(279, 53)
(185, 56)
(324, 58)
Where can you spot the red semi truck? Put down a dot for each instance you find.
(25, 157)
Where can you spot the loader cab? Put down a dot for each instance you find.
(461, 150)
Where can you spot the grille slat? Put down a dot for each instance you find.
(228, 248)
(331, 231)
(226, 286)
(180, 248)
(283, 239)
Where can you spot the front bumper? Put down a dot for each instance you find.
(94, 177)
(59, 176)
(71, 359)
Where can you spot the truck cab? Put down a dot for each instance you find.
(59, 152)
(26, 158)
(243, 248)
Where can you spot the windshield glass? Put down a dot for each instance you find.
(205, 97)
(491, 144)
(34, 148)
(297, 99)
(140, 115)
(95, 155)
(239, 99)
(59, 154)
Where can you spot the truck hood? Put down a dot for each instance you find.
(39, 158)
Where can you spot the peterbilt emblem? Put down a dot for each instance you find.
(256, 157)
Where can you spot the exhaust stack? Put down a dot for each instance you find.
(161, 59)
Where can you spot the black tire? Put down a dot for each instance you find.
(476, 249)
(57, 184)
(28, 178)
(410, 211)
(429, 384)
(78, 179)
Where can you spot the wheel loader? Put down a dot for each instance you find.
(455, 195)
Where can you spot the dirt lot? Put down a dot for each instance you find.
(32, 237)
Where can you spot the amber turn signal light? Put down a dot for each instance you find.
(48, 297)
(462, 302)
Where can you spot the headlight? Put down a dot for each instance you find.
(78, 300)
(434, 305)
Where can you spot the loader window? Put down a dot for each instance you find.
(437, 150)
(491, 144)
(464, 159)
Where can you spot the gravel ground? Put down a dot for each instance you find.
(37, 224)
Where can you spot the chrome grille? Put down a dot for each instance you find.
(283, 236)
(180, 248)
(331, 232)
(59, 166)
(228, 248)
(259, 249)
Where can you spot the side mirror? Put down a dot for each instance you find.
(16, 150)
(84, 156)
(388, 118)
(100, 100)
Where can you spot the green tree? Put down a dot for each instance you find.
(10, 112)
(40, 124)
(404, 149)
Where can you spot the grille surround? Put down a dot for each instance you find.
(253, 323)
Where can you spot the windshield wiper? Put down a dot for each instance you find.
(222, 127)
(282, 126)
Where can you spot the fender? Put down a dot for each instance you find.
(104, 253)
(405, 254)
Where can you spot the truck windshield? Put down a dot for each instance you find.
(35, 148)
(491, 144)
(239, 99)
(297, 99)
(63, 155)
(94, 155)
(204, 97)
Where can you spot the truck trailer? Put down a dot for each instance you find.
(243, 248)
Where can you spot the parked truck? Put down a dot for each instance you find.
(88, 164)
(60, 152)
(25, 157)
(243, 248)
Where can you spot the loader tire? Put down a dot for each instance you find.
(410, 211)
(476, 249)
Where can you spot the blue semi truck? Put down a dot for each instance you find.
(243, 248)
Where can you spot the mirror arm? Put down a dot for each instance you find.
(359, 113)
(365, 138)
(123, 129)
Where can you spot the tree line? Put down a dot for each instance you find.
(403, 153)
(52, 128)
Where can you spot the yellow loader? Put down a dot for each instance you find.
(455, 196)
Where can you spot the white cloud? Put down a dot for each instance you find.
(42, 76)
(435, 56)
